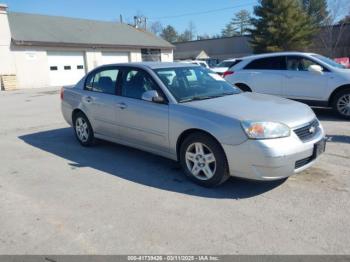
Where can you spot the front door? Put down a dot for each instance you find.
(299, 83)
(142, 123)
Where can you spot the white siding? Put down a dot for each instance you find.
(115, 57)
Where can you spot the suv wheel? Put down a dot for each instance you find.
(83, 130)
(341, 103)
(203, 160)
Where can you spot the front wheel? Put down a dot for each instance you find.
(203, 160)
(83, 130)
(341, 103)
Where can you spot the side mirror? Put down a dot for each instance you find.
(152, 96)
(315, 69)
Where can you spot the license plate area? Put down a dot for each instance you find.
(319, 148)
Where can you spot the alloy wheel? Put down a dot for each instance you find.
(343, 105)
(82, 129)
(200, 161)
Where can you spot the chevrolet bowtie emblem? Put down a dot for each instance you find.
(312, 130)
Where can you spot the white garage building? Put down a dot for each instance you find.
(42, 51)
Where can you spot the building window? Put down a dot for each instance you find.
(151, 55)
(80, 67)
(53, 68)
(67, 67)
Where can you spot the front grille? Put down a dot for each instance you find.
(308, 131)
(303, 162)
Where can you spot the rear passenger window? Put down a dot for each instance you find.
(269, 63)
(103, 81)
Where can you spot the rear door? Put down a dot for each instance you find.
(265, 75)
(301, 84)
(100, 100)
(142, 123)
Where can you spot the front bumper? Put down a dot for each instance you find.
(271, 159)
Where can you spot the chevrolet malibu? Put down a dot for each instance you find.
(191, 115)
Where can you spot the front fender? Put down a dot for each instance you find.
(226, 130)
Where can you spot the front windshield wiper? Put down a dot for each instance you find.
(195, 98)
(198, 98)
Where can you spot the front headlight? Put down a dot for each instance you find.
(265, 130)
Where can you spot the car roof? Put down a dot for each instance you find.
(155, 65)
(275, 54)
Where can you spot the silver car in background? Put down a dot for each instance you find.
(190, 114)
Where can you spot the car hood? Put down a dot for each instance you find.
(258, 107)
(345, 73)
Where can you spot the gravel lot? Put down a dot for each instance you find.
(59, 198)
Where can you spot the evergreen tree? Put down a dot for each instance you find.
(229, 31)
(281, 26)
(238, 25)
(317, 10)
(169, 34)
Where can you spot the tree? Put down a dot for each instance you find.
(156, 28)
(332, 31)
(185, 36)
(229, 31)
(191, 29)
(345, 20)
(189, 33)
(242, 21)
(169, 34)
(317, 10)
(238, 25)
(281, 26)
(203, 37)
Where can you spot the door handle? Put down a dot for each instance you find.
(122, 105)
(88, 99)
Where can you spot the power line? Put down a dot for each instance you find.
(203, 12)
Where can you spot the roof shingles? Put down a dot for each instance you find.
(32, 28)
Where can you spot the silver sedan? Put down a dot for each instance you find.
(191, 115)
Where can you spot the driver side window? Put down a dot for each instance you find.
(298, 63)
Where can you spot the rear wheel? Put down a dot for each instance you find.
(203, 160)
(83, 130)
(341, 103)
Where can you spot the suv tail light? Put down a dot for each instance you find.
(62, 93)
(227, 73)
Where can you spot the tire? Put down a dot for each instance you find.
(341, 103)
(207, 166)
(83, 130)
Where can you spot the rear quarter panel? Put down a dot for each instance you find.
(72, 98)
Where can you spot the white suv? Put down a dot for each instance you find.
(310, 78)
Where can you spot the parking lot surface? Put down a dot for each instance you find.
(57, 197)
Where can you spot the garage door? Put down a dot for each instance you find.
(66, 68)
(115, 57)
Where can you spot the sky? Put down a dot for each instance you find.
(209, 16)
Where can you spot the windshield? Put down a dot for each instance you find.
(329, 61)
(194, 83)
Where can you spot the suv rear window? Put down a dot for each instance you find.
(268, 63)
